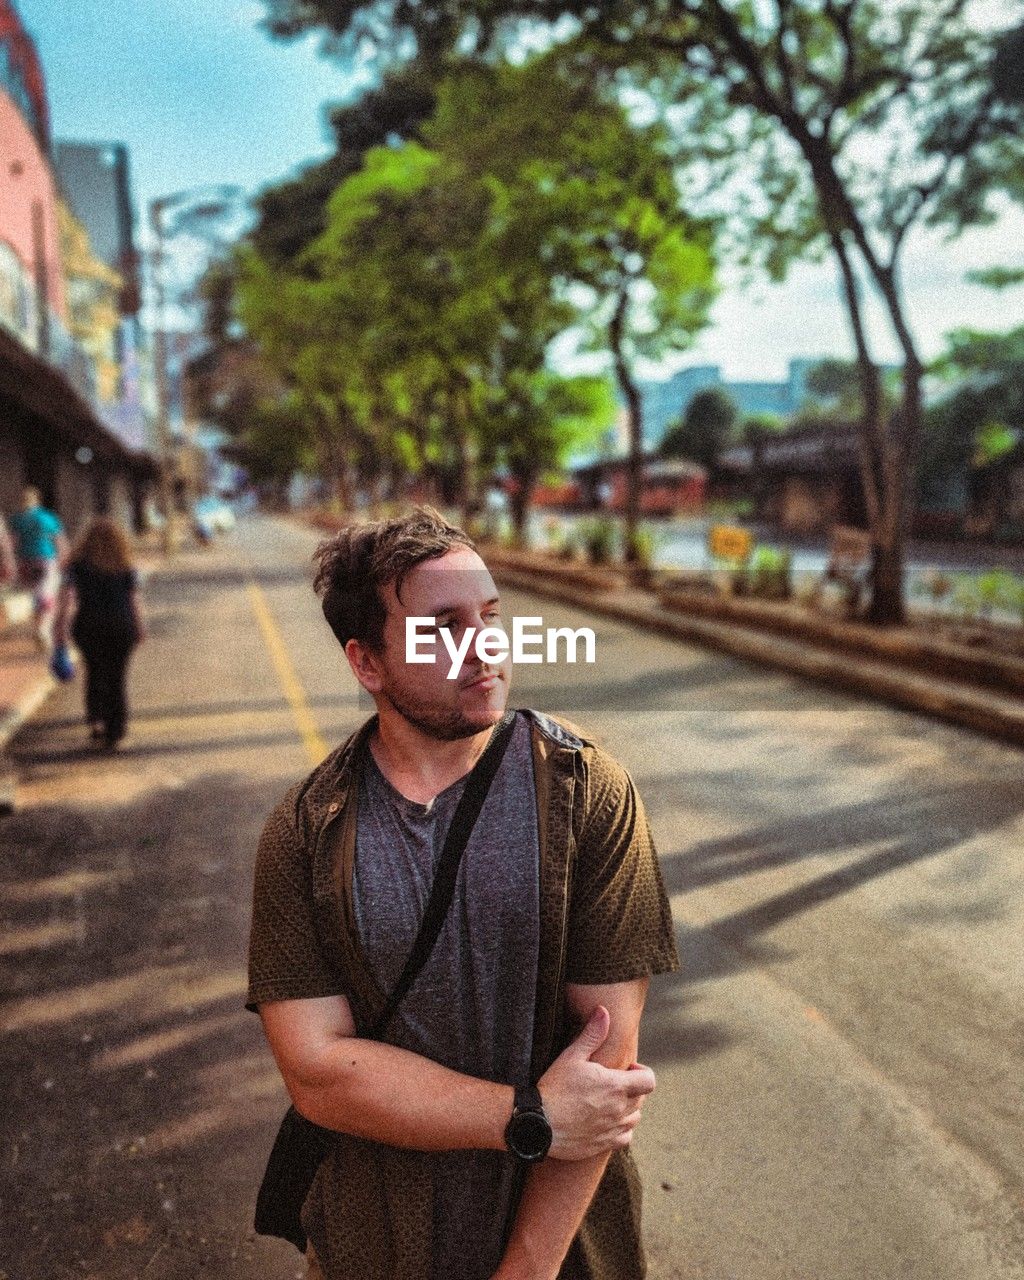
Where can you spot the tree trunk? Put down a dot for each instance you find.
(888, 448)
(887, 606)
(635, 423)
(469, 501)
(343, 485)
(519, 500)
(880, 478)
(463, 461)
(334, 468)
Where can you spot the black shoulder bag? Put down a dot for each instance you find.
(301, 1146)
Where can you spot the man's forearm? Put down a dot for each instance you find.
(390, 1095)
(554, 1202)
(558, 1193)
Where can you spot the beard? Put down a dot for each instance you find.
(445, 724)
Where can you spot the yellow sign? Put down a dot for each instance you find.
(728, 543)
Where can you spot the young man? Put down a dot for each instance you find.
(559, 918)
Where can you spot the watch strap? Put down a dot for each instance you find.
(528, 1099)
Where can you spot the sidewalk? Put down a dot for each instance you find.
(25, 683)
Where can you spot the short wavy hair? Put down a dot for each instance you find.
(361, 559)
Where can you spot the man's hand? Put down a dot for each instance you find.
(592, 1109)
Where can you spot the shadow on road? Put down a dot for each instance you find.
(149, 750)
(43, 729)
(140, 1099)
(904, 828)
(177, 587)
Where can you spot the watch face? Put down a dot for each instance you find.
(529, 1135)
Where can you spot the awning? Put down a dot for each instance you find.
(34, 389)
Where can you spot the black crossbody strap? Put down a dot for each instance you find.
(443, 889)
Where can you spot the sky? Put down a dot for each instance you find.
(201, 94)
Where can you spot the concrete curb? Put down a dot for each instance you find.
(988, 712)
(15, 608)
(11, 721)
(26, 706)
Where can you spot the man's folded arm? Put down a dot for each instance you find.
(385, 1094)
(377, 1091)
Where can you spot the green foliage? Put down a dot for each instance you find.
(276, 442)
(599, 540)
(814, 127)
(998, 277)
(993, 441)
(725, 511)
(755, 425)
(836, 383)
(767, 575)
(997, 591)
(641, 549)
(293, 213)
(966, 599)
(416, 325)
(981, 417)
(568, 548)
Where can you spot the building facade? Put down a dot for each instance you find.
(664, 403)
(53, 431)
(32, 303)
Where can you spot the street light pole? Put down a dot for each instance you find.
(223, 197)
(156, 210)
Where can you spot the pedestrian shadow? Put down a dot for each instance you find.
(673, 1030)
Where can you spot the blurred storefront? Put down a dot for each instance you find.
(71, 418)
(668, 487)
(803, 481)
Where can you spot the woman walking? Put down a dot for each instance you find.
(101, 593)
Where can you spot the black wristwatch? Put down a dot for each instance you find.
(528, 1133)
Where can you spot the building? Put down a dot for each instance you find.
(668, 487)
(664, 403)
(54, 429)
(32, 303)
(803, 481)
(94, 179)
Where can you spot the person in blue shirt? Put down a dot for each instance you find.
(39, 548)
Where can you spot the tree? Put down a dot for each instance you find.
(411, 318)
(704, 430)
(542, 417)
(838, 126)
(293, 213)
(837, 383)
(587, 194)
(757, 425)
(447, 266)
(981, 417)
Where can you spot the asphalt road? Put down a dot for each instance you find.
(840, 1089)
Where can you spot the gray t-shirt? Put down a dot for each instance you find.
(472, 1006)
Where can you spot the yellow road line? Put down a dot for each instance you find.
(291, 685)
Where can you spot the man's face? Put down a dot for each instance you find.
(457, 590)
